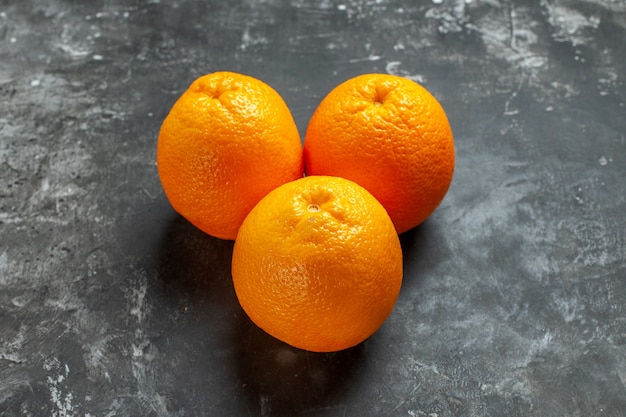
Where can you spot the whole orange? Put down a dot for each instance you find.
(318, 264)
(226, 142)
(391, 136)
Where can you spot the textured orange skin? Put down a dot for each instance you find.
(318, 264)
(228, 141)
(389, 135)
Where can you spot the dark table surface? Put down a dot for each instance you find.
(514, 294)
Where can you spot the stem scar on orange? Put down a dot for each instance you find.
(226, 142)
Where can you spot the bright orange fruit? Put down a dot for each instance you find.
(317, 264)
(389, 135)
(228, 141)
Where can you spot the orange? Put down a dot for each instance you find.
(226, 142)
(318, 264)
(389, 135)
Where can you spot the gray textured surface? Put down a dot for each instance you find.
(514, 298)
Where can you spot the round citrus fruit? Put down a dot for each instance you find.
(317, 264)
(227, 141)
(389, 135)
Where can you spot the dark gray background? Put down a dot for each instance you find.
(514, 294)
